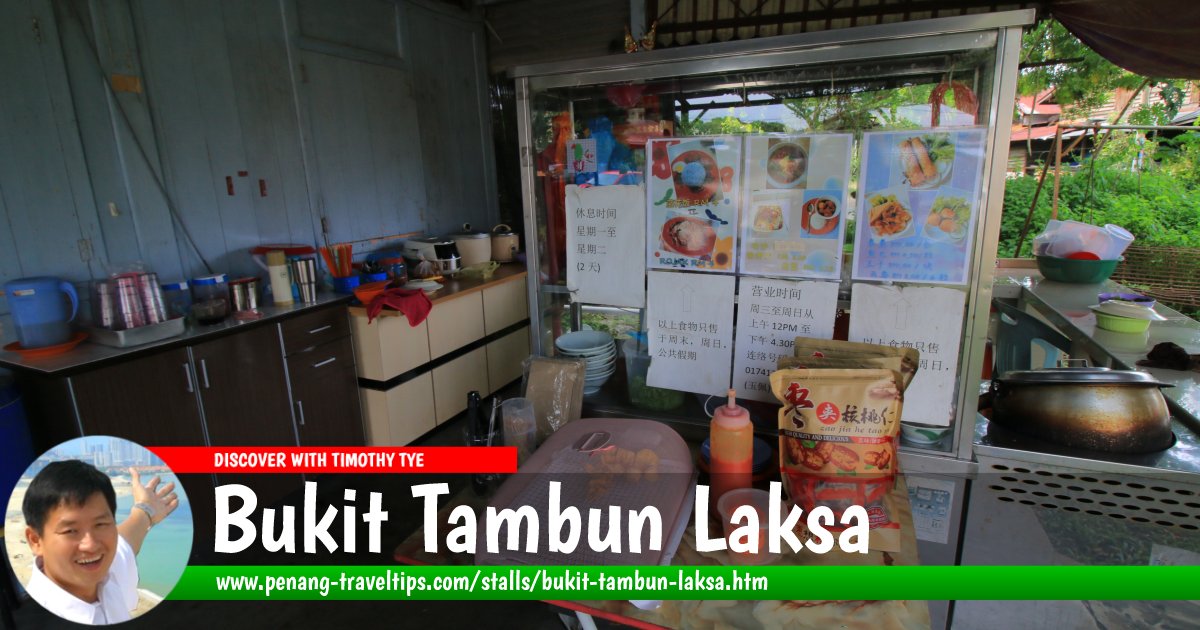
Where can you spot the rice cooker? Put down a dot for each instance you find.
(505, 243)
(474, 246)
(431, 256)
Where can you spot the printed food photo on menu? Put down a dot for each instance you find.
(927, 159)
(692, 197)
(787, 163)
(922, 191)
(889, 216)
(949, 217)
(795, 224)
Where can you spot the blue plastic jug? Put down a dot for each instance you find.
(40, 314)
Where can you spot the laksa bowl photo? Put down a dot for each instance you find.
(787, 163)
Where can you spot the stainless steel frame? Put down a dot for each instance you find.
(999, 30)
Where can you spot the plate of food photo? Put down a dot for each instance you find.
(888, 217)
(688, 236)
(926, 160)
(769, 216)
(820, 215)
(787, 163)
(948, 219)
(697, 177)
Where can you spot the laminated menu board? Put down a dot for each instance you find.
(928, 319)
(689, 326)
(692, 203)
(793, 220)
(771, 314)
(918, 205)
(604, 244)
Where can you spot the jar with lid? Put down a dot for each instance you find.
(396, 269)
(210, 299)
(177, 298)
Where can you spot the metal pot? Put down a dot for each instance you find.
(1119, 411)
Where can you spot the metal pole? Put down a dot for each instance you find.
(1057, 171)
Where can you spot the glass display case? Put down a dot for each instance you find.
(861, 168)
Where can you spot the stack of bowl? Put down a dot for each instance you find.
(596, 349)
(1125, 316)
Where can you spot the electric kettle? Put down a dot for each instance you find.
(41, 316)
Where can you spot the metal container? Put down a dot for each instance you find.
(473, 246)
(244, 292)
(152, 299)
(505, 243)
(104, 308)
(130, 311)
(1119, 411)
(304, 274)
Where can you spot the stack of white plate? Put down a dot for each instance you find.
(597, 350)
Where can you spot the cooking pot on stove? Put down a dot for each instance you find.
(1119, 411)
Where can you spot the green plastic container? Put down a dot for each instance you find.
(1076, 271)
(1116, 323)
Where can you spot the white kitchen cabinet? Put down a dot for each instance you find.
(452, 382)
(388, 346)
(455, 323)
(399, 415)
(504, 358)
(504, 305)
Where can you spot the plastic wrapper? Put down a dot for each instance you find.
(838, 430)
(854, 350)
(556, 388)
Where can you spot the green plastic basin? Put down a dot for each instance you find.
(1076, 271)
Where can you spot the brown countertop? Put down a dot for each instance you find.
(458, 287)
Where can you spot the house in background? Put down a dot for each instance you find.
(1033, 135)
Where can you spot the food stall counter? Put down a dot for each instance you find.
(706, 613)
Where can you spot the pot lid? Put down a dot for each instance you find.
(471, 234)
(1080, 375)
(209, 280)
(503, 230)
(434, 240)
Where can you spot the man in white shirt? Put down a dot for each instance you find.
(85, 570)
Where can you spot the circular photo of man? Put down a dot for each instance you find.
(98, 530)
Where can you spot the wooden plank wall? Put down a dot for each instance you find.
(310, 108)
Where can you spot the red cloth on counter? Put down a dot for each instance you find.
(412, 302)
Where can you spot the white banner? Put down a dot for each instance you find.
(605, 244)
(689, 320)
(771, 314)
(928, 319)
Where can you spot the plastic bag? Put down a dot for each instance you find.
(556, 388)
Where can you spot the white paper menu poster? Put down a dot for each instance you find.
(605, 242)
(793, 221)
(770, 315)
(918, 205)
(689, 322)
(692, 200)
(926, 318)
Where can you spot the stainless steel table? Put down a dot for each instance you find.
(1066, 306)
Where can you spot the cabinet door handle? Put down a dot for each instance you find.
(300, 406)
(317, 330)
(188, 375)
(325, 362)
(204, 372)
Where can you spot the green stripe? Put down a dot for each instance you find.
(786, 583)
